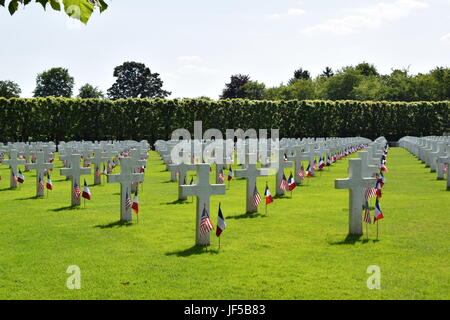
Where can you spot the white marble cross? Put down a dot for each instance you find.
(297, 159)
(136, 163)
(182, 169)
(203, 190)
(125, 178)
(13, 162)
(356, 183)
(282, 164)
(369, 170)
(250, 173)
(74, 173)
(40, 166)
(97, 160)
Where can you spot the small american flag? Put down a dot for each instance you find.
(446, 168)
(256, 198)
(301, 173)
(370, 193)
(76, 191)
(283, 183)
(205, 223)
(127, 201)
(221, 177)
(40, 184)
(367, 218)
(97, 171)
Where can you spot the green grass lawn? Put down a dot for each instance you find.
(298, 251)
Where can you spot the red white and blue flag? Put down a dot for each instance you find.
(291, 183)
(135, 204)
(205, 223)
(86, 192)
(221, 224)
(321, 163)
(20, 177)
(378, 212)
(230, 174)
(256, 198)
(49, 184)
(283, 183)
(268, 195)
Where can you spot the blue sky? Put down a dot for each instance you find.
(197, 45)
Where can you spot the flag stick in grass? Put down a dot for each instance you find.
(221, 224)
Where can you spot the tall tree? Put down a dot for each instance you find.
(327, 73)
(77, 9)
(252, 90)
(135, 80)
(367, 69)
(55, 82)
(231, 90)
(9, 89)
(89, 91)
(300, 74)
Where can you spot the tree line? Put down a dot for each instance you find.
(362, 82)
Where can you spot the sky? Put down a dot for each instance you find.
(197, 45)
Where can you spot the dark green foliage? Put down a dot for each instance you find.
(135, 80)
(60, 119)
(232, 89)
(55, 82)
(88, 91)
(9, 89)
(82, 13)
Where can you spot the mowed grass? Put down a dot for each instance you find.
(300, 250)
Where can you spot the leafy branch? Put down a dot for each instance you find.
(77, 9)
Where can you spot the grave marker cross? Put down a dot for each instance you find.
(356, 183)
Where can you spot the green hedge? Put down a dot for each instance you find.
(60, 119)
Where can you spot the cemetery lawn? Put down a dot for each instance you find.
(298, 251)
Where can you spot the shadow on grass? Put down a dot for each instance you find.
(61, 180)
(115, 224)
(30, 198)
(247, 216)
(8, 189)
(68, 208)
(177, 202)
(195, 250)
(350, 239)
(282, 197)
(165, 182)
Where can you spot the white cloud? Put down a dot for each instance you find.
(446, 37)
(296, 12)
(189, 59)
(367, 18)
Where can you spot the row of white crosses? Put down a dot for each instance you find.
(129, 177)
(434, 151)
(203, 189)
(361, 177)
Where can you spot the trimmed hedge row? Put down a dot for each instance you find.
(61, 119)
